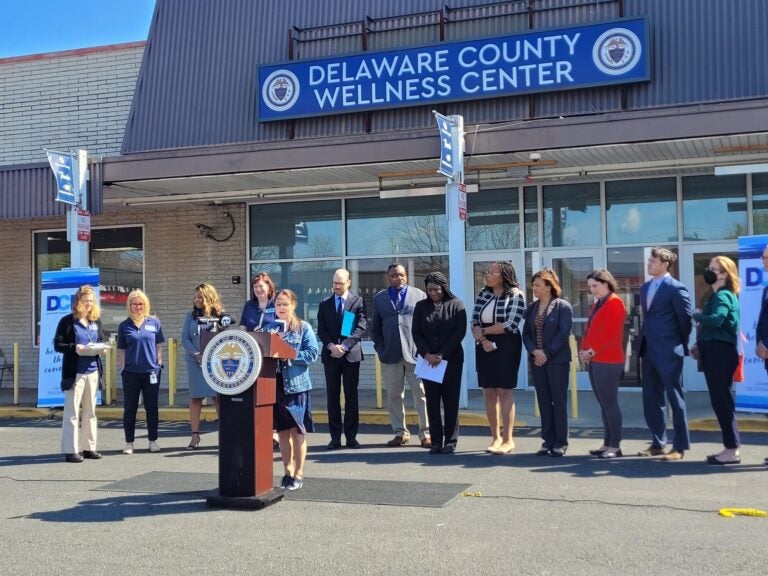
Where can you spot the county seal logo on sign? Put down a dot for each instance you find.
(617, 51)
(280, 90)
(231, 362)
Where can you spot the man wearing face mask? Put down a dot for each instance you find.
(716, 347)
(667, 311)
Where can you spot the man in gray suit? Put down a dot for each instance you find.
(393, 342)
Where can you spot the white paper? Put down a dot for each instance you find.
(428, 372)
(94, 349)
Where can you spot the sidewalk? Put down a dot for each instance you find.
(584, 414)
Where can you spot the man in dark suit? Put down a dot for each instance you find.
(667, 323)
(393, 341)
(761, 327)
(341, 356)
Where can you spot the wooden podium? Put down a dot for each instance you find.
(245, 435)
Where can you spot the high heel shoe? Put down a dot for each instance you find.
(194, 442)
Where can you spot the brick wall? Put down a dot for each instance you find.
(77, 99)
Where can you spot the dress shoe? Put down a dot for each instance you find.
(354, 444)
(334, 445)
(651, 451)
(503, 449)
(543, 452)
(448, 449)
(92, 454)
(610, 454)
(557, 452)
(673, 455)
(296, 484)
(398, 441)
(435, 450)
(717, 462)
(286, 481)
(598, 451)
(426, 443)
(73, 457)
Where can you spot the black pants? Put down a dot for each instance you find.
(551, 381)
(133, 385)
(719, 360)
(337, 372)
(446, 431)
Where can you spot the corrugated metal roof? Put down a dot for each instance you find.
(197, 85)
(30, 192)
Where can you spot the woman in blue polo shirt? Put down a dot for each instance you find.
(140, 359)
(259, 311)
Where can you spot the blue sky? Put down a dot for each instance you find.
(37, 26)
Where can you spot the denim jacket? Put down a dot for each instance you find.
(296, 372)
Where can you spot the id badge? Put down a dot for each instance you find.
(153, 378)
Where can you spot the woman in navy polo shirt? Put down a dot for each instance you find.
(259, 311)
(140, 360)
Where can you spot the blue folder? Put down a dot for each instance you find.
(347, 323)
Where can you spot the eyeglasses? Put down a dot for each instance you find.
(137, 303)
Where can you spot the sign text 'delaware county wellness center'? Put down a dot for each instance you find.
(613, 52)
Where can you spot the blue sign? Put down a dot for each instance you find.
(447, 156)
(615, 52)
(63, 170)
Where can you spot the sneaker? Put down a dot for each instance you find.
(286, 481)
(128, 448)
(153, 447)
(296, 484)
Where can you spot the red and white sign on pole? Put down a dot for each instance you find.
(83, 225)
(463, 201)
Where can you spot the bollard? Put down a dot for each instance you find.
(378, 382)
(15, 373)
(108, 377)
(574, 385)
(173, 350)
(113, 361)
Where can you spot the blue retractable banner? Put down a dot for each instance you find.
(57, 290)
(63, 166)
(615, 52)
(752, 394)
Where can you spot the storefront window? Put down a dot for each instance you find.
(118, 253)
(714, 207)
(311, 281)
(531, 202)
(494, 220)
(641, 211)
(295, 230)
(396, 226)
(572, 215)
(760, 203)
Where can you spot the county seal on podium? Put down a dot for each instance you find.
(231, 362)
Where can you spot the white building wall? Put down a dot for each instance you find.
(66, 100)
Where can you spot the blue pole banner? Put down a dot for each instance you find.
(446, 167)
(615, 52)
(62, 165)
(752, 394)
(57, 290)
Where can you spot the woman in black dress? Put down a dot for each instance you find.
(439, 326)
(496, 321)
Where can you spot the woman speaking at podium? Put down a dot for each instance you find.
(293, 410)
(206, 316)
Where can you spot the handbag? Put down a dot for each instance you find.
(738, 375)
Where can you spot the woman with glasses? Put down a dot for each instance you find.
(140, 360)
(716, 348)
(496, 321)
(547, 329)
(81, 369)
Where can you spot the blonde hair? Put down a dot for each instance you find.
(138, 318)
(78, 310)
(731, 271)
(294, 322)
(211, 300)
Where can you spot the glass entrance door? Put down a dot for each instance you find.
(693, 261)
(572, 268)
(478, 264)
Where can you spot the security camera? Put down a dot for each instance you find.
(535, 156)
(202, 229)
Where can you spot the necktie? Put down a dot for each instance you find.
(339, 307)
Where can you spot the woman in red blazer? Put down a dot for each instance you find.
(602, 350)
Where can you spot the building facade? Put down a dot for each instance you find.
(569, 175)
